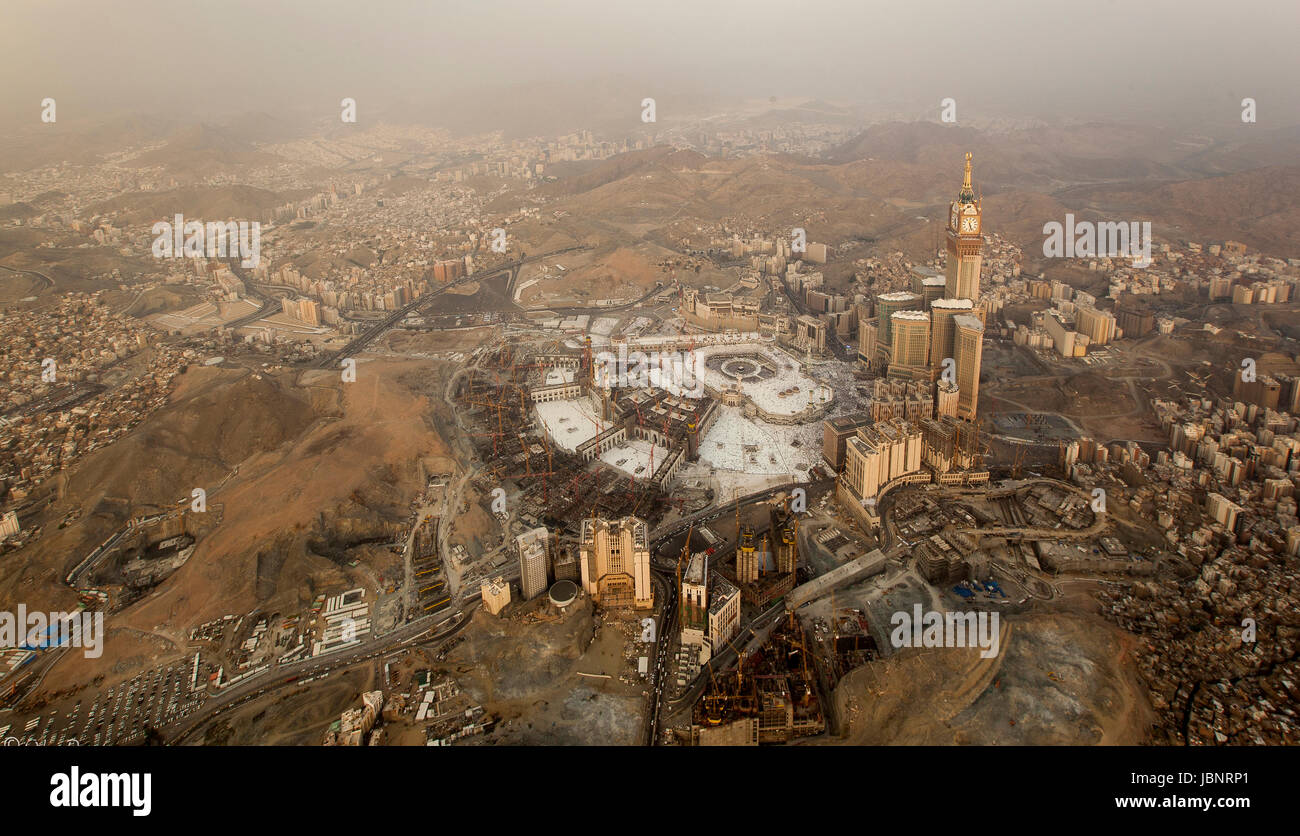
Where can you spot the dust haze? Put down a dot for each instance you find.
(528, 67)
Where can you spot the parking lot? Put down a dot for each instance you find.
(122, 714)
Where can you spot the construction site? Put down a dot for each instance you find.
(431, 593)
(570, 449)
(845, 642)
(140, 555)
(766, 565)
(772, 696)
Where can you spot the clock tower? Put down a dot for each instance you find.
(964, 243)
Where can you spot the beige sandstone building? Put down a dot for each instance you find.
(614, 558)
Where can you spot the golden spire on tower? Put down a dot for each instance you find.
(967, 190)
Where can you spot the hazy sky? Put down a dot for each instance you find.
(1037, 57)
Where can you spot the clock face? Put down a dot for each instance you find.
(970, 223)
(954, 216)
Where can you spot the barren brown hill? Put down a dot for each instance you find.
(578, 178)
(1261, 208)
(70, 268)
(1060, 679)
(18, 211)
(19, 246)
(625, 272)
(195, 203)
(661, 160)
(318, 263)
(890, 187)
(1252, 146)
(400, 185)
(337, 477)
(77, 141)
(883, 200)
(1040, 158)
(217, 419)
(813, 110)
(291, 511)
(1015, 215)
(898, 180)
(768, 191)
(200, 149)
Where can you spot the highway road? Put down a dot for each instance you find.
(279, 676)
(41, 276)
(833, 342)
(269, 307)
(359, 343)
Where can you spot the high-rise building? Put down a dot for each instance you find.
(304, 310)
(694, 594)
(810, 333)
(887, 304)
(908, 399)
(565, 565)
(534, 549)
(1288, 394)
(867, 342)
(836, 431)
(970, 353)
(1098, 326)
(1134, 317)
(928, 284)
(1264, 391)
(1223, 510)
(724, 612)
(747, 558)
(496, 594)
(946, 399)
(710, 607)
(943, 334)
(964, 242)
(9, 524)
(880, 453)
(614, 557)
(785, 539)
(1220, 287)
(910, 352)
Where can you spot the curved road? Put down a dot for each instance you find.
(277, 676)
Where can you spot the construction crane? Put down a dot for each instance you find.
(797, 640)
(735, 500)
(1018, 463)
(835, 622)
(528, 459)
(550, 471)
(712, 701)
(686, 549)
